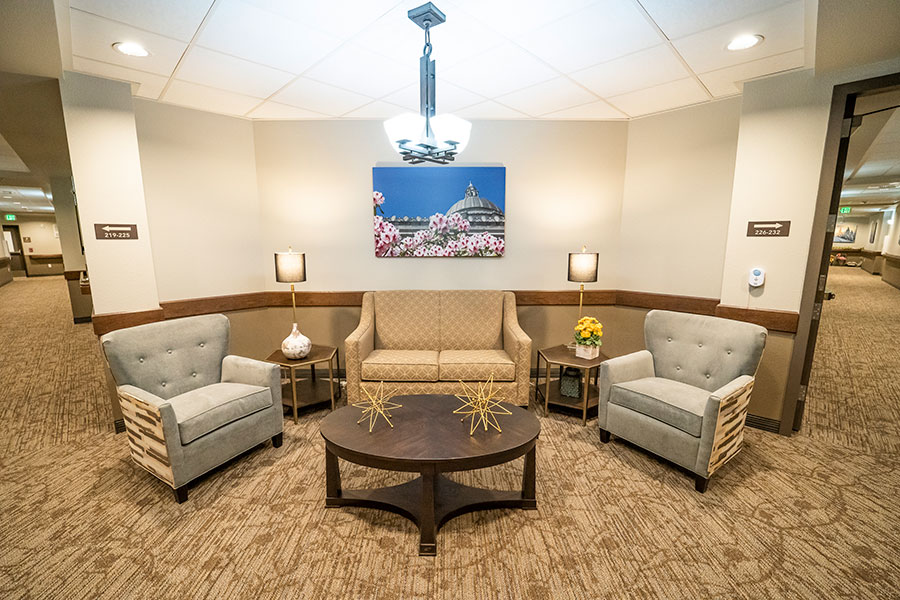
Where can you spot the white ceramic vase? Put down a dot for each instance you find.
(296, 345)
(587, 352)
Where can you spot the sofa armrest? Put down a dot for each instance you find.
(517, 345)
(358, 345)
(152, 431)
(629, 367)
(722, 434)
(240, 369)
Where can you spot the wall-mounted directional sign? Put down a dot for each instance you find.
(768, 228)
(115, 231)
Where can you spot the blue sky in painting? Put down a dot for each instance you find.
(423, 191)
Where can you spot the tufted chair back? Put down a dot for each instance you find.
(170, 357)
(705, 352)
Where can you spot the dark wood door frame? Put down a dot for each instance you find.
(837, 140)
(17, 234)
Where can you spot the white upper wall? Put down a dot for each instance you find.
(199, 176)
(563, 189)
(678, 184)
(106, 168)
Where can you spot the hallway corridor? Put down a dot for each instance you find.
(854, 388)
(52, 385)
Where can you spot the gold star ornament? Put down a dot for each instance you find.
(481, 405)
(375, 406)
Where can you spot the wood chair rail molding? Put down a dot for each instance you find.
(771, 319)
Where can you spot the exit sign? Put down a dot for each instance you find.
(845, 210)
(10, 217)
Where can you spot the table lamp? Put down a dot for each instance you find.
(583, 269)
(290, 267)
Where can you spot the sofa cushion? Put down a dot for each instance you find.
(408, 320)
(208, 408)
(672, 402)
(401, 365)
(471, 319)
(476, 365)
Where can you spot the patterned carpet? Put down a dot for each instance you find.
(854, 388)
(805, 517)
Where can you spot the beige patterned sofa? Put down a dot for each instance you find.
(427, 341)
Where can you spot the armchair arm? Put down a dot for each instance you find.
(629, 367)
(358, 345)
(723, 424)
(152, 431)
(517, 345)
(239, 369)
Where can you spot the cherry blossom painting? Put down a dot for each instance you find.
(448, 212)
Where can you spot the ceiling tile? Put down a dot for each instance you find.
(642, 69)
(148, 85)
(376, 110)
(730, 80)
(587, 112)
(339, 18)
(461, 37)
(178, 19)
(208, 99)
(239, 29)
(515, 17)
(93, 37)
(679, 18)
(661, 97)
(448, 97)
(598, 33)
(353, 68)
(232, 74)
(282, 112)
(549, 96)
(490, 110)
(320, 97)
(499, 71)
(782, 28)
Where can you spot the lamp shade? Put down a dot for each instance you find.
(290, 267)
(446, 128)
(583, 266)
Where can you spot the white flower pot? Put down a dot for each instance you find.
(587, 352)
(296, 345)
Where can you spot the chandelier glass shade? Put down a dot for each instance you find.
(426, 137)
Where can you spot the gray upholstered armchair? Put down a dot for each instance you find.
(685, 398)
(188, 407)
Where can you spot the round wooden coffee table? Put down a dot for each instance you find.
(427, 438)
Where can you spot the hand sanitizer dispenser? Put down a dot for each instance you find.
(757, 277)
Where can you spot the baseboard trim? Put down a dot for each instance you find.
(764, 423)
(79, 320)
(119, 424)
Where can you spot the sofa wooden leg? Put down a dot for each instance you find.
(700, 483)
(278, 439)
(181, 494)
(604, 436)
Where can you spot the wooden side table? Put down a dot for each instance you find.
(317, 354)
(564, 357)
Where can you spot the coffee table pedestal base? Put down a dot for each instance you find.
(431, 500)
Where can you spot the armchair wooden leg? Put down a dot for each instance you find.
(604, 436)
(277, 440)
(180, 494)
(700, 483)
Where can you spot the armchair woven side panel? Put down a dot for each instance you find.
(144, 427)
(729, 435)
(517, 345)
(358, 345)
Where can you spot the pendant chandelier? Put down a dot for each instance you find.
(425, 137)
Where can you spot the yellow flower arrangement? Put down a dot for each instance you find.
(588, 332)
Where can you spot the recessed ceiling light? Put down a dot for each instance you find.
(745, 41)
(130, 49)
